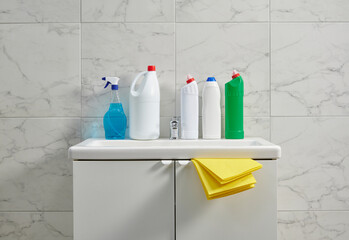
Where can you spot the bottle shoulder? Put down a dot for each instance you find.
(151, 79)
(237, 82)
(234, 87)
(149, 88)
(191, 88)
(211, 85)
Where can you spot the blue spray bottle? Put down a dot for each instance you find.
(114, 120)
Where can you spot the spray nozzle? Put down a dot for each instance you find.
(113, 81)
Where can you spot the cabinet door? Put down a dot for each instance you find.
(247, 215)
(123, 200)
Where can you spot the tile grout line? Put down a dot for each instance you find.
(81, 85)
(175, 64)
(36, 211)
(175, 113)
(169, 22)
(43, 117)
(243, 22)
(70, 211)
(270, 70)
(80, 11)
(312, 210)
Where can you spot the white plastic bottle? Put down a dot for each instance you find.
(211, 110)
(144, 109)
(190, 110)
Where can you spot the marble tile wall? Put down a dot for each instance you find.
(293, 55)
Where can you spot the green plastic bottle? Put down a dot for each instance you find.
(234, 107)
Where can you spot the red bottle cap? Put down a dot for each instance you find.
(190, 79)
(235, 74)
(151, 68)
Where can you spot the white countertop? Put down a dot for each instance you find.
(102, 149)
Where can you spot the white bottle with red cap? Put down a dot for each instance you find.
(144, 109)
(190, 110)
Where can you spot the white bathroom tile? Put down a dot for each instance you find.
(313, 225)
(40, 70)
(36, 226)
(215, 49)
(39, 11)
(309, 10)
(93, 128)
(253, 127)
(128, 11)
(309, 69)
(124, 50)
(222, 11)
(257, 127)
(35, 172)
(314, 167)
(165, 127)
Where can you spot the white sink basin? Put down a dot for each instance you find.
(101, 149)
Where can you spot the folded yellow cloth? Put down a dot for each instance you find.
(223, 177)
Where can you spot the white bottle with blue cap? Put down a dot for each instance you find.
(211, 110)
(114, 120)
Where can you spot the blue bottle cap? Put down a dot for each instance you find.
(210, 79)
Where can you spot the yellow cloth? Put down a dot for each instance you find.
(224, 177)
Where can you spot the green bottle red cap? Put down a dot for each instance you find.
(234, 107)
(235, 74)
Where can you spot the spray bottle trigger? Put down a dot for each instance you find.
(105, 79)
(107, 84)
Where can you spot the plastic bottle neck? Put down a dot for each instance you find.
(114, 96)
(151, 73)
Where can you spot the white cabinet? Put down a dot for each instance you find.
(247, 215)
(136, 200)
(123, 200)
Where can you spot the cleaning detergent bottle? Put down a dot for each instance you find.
(114, 120)
(144, 112)
(234, 115)
(211, 110)
(190, 109)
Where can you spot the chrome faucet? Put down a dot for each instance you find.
(174, 124)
